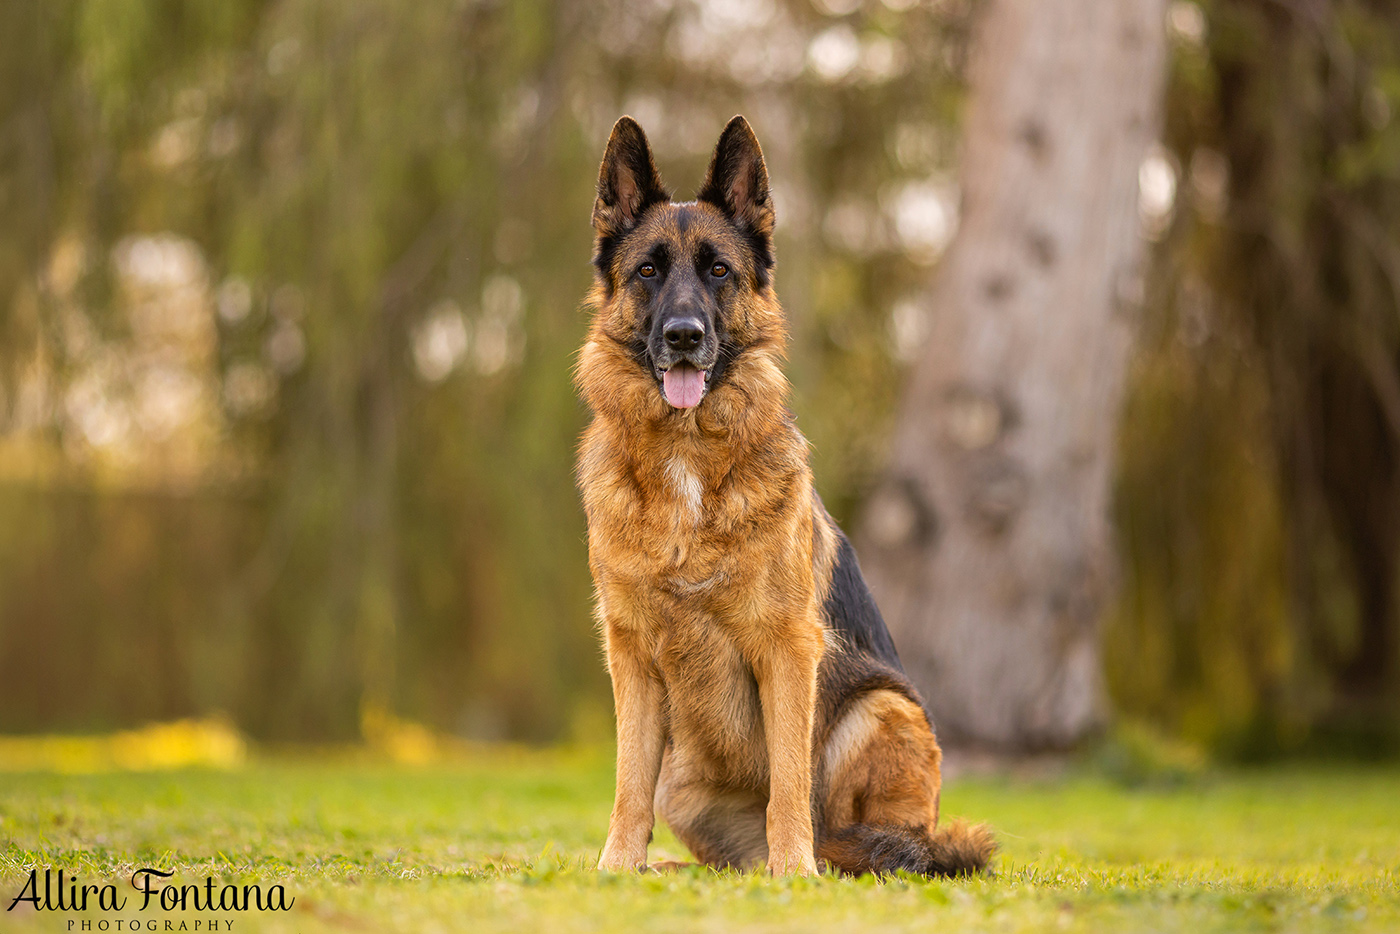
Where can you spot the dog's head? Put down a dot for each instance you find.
(685, 287)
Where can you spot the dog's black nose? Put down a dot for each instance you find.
(684, 333)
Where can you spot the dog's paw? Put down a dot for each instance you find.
(796, 864)
(617, 861)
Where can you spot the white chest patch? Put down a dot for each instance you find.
(686, 486)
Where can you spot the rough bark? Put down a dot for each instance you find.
(988, 543)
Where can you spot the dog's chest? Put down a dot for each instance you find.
(673, 533)
(686, 487)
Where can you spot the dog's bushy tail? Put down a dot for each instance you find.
(953, 849)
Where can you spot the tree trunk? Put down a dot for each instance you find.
(988, 543)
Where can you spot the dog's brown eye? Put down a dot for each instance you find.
(647, 271)
(719, 270)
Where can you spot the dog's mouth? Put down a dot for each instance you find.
(684, 385)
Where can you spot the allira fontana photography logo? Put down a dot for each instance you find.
(151, 894)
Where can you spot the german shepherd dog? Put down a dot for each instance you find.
(761, 708)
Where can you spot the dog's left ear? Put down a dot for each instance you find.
(737, 182)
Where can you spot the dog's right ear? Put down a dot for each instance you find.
(628, 182)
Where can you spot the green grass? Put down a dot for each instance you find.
(504, 842)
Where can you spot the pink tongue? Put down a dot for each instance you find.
(684, 386)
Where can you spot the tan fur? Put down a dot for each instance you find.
(712, 556)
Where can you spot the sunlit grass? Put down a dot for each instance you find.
(504, 841)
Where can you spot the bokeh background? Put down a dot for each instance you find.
(291, 292)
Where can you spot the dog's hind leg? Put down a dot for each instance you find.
(723, 827)
(880, 809)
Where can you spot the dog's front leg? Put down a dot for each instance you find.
(637, 697)
(786, 669)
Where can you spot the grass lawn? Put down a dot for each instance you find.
(504, 841)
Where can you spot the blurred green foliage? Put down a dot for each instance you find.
(292, 291)
(1259, 493)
